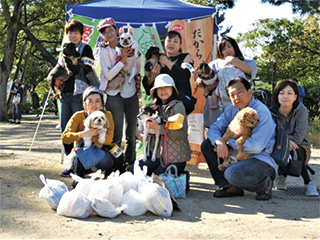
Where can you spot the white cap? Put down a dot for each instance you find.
(163, 80)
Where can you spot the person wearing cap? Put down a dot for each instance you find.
(16, 108)
(122, 101)
(176, 64)
(176, 149)
(75, 130)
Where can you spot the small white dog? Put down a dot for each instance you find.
(147, 113)
(96, 119)
(127, 40)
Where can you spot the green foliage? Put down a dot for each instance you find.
(295, 47)
(314, 132)
(299, 6)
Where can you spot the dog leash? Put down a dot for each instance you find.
(164, 165)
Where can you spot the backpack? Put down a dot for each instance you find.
(281, 149)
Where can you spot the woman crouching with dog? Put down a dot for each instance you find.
(75, 132)
(174, 146)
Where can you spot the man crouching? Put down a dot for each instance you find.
(255, 173)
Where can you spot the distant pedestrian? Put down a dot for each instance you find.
(16, 106)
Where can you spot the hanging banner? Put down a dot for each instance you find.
(197, 39)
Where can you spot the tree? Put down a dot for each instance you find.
(295, 47)
(299, 6)
(38, 23)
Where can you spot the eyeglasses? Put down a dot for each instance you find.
(112, 30)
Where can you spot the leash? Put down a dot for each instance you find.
(164, 165)
(35, 133)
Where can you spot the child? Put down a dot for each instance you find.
(174, 142)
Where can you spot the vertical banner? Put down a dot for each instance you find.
(197, 39)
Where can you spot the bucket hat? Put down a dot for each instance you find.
(163, 80)
(107, 22)
(17, 81)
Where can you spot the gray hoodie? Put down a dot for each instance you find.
(295, 123)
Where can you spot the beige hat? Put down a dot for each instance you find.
(163, 80)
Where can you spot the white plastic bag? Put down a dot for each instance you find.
(104, 208)
(109, 189)
(136, 203)
(84, 185)
(127, 181)
(52, 191)
(158, 199)
(74, 204)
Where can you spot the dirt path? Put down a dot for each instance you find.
(26, 216)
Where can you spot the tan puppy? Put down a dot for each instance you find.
(240, 128)
(97, 119)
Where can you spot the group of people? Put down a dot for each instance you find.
(168, 83)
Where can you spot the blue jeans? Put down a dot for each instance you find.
(69, 104)
(106, 164)
(250, 174)
(16, 112)
(128, 109)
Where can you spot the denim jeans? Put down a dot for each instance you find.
(125, 109)
(105, 164)
(250, 174)
(69, 104)
(16, 112)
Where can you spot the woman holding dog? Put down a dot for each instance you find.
(176, 64)
(291, 114)
(174, 142)
(71, 100)
(75, 132)
(228, 56)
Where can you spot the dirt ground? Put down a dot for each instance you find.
(26, 216)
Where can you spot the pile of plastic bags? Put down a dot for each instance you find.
(133, 194)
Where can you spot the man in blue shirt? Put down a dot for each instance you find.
(257, 172)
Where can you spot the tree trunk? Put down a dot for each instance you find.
(9, 50)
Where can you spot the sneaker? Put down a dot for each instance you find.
(18, 122)
(13, 122)
(311, 190)
(231, 191)
(281, 182)
(66, 173)
(266, 195)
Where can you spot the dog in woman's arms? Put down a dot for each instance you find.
(97, 119)
(145, 115)
(240, 128)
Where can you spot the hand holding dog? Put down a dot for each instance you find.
(125, 53)
(152, 124)
(90, 132)
(222, 149)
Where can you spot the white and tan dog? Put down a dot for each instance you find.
(99, 120)
(127, 40)
(147, 113)
(96, 119)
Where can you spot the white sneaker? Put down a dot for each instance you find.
(281, 182)
(311, 190)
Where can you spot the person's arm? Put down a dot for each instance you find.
(148, 81)
(87, 58)
(236, 62)
(261, 133)
(108, 71)
(73, 129)
(109, 133)
(177, 133)
(300, 127)
(184, 73)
